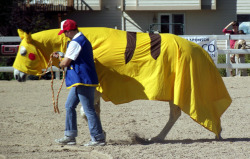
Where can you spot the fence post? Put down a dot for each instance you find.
(228, 60)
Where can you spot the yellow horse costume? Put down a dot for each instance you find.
(132, 66)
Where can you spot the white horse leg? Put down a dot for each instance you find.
(96, 105)
(237, 60)
(97, 108)
(175, 113)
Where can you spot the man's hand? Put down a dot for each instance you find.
(57, 54)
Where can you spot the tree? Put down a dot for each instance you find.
(14, 17)
(5, 12)
(27, 18)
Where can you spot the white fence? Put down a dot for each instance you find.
(223, 44)
(228, 65)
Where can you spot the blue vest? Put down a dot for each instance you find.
(82, 70)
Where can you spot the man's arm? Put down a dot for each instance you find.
(65, 62)
(225, 29)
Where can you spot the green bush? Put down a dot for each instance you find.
(222, 59)
(6, 62)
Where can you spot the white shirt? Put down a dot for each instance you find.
(73, 49)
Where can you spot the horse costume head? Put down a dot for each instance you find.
(34, 52)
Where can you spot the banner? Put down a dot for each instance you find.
(208, 44)
(9, 50)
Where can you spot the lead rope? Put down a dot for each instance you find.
(55, 103)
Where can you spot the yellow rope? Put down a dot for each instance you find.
(55, 103)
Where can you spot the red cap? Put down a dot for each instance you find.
(67, 25)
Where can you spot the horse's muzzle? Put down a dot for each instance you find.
(19, 76)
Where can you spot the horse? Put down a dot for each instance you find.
(140, 66)
(240, 58)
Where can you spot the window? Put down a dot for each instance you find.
(171, 23)
(243, 17)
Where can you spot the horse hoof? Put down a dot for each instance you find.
(152, 140)
(218, 137)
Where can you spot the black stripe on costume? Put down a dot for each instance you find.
(155, 45)
(131, 44)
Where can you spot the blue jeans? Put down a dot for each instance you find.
(85, 95)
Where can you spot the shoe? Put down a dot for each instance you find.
(96, 143)
(66, 140)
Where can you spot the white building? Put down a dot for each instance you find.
(190, 17)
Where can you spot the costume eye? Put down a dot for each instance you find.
(23, 51)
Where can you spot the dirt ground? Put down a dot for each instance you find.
(29, 126)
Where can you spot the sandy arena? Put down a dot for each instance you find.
(29, 126)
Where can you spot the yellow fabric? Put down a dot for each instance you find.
(183, 71)
(42, 44)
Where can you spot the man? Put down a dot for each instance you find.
(81, 79)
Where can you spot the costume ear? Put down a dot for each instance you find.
(24, 35)
(20, 33)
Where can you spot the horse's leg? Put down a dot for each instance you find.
(175, 113)
(96, 105)
(219, 136)
(237, 60)
(97, 100)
